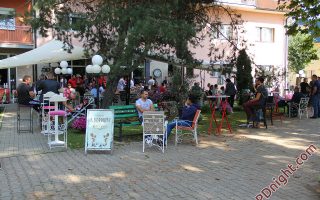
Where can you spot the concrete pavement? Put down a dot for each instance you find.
(226, 167)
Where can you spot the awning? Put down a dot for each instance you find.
(50, 52)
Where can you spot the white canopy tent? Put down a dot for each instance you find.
(50, 52)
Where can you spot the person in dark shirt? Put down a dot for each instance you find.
(305, 87)
(258, 101)
(295, 100)
(48, 85)
(26, 95)
(315, 97)
(230, 91)
(188, 112)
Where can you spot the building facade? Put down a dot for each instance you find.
(15, 38)
(263, 31)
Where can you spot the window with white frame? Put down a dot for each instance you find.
(264, 34)
(7, 19)
(222, 32)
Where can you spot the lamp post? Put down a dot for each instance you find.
(97, 70)
(64, 70)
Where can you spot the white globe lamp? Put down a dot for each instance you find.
(63, 64)
(96, 69)
(97, 60)
(69, 70)
(105, 69)
(57, 70)
(64, 70)
(89, 69)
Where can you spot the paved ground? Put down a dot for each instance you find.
(229, 167)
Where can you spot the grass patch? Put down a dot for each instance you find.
(134, 133)
(76, 138)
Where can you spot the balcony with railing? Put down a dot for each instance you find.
(239, 2)
(19, 35)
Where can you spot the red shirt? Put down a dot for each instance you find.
(73, 82)
(162, 89)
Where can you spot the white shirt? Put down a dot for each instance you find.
(144, 105)
(121, 84)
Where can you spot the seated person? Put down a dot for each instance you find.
(143, 104)
(297, 95)
(26, 95)
(188, 112)
(258, 101)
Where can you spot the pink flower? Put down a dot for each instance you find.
(79, 123)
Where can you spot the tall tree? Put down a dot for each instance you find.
(301, 51)
(304, 15)
(244, 77)
(126, 32)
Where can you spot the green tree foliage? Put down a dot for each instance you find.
(244, 77)
(306, 12)
(126, 32)
(301, 52)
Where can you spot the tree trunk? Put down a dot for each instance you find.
(109, 93)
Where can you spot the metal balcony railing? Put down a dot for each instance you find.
(240, 2)
(21, 35)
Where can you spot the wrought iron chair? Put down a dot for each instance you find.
(192, 129)
(154, 129)
(302, 107)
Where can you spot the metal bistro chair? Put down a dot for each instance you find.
(193, 128)
(154, 129)
(302, 107)
(24, 114)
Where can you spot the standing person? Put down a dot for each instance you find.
(230, 91)
(315, 97)
(259, 100)
(26, 95)
(121, 84)
(143, 104)
(151, 82)
(73, 81)
(165, 81)
(305, 88)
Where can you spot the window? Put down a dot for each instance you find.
(189, 72)
(7, 19)
(222, 31)
(71, 22)
(264, 34)
(76, 21)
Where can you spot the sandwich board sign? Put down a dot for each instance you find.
(99, 130)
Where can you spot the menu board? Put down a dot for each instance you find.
(99, 130)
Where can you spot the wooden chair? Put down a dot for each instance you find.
(192, 129)
(154, 129)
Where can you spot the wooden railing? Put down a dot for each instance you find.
(21, 35)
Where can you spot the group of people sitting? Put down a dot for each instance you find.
(27, 94)
(261, 95)
(188, 111)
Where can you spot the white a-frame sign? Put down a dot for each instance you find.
(99, 131)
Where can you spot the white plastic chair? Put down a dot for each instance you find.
(154, 129)
(192, 129)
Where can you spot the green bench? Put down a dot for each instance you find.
(126, 115)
